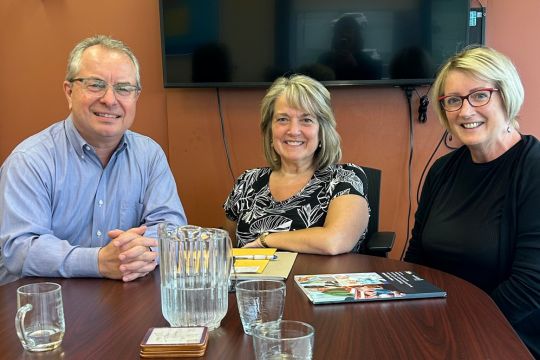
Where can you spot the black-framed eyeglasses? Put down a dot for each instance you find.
(476, 98)
(99, 87)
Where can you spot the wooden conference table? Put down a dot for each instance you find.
(106, 319)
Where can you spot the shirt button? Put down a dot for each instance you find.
(87, 147)
(100, 202)
(98, 233)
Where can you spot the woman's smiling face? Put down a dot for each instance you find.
(295, 134)
(483, 128)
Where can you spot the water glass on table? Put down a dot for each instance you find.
(40, 321)
(260, 301)
(283, 339)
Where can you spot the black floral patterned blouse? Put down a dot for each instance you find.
(251, 205)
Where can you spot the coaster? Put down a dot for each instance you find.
(174, 342)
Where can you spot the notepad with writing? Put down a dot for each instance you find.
(253, 251)
(369, 286)
(251, 266)
(277, 269)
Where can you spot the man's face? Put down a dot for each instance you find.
(102, 119)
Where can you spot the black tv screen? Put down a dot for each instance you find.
(227, 43)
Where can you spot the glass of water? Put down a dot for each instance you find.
(40, 321)
(283, 339)
(260, 301)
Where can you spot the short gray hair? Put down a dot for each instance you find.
(486, 64)
(302, 92)
(74, 59)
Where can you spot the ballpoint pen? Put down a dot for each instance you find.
(256, 257)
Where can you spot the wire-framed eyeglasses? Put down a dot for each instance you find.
(99, 87)
(476, 98)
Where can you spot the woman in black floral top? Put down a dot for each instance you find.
(305, 201)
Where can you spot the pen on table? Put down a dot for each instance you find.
(256, 257)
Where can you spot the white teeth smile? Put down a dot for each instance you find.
(294, 142)
(471, 125)
(112, 116)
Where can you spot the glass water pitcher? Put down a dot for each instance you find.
(195, 266)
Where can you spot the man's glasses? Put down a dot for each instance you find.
(99, 87)
(477, 98)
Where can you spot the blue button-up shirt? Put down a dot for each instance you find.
(57, 201)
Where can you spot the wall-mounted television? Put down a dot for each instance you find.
(247, 43)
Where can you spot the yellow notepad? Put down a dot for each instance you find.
(253, 251)
(253, 266)
(277, 269)
(250, 266)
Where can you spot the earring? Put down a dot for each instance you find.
(449, 137)
(508, 130)
(320, 145)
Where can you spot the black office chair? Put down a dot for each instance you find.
(378, 243)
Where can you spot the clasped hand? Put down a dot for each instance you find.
(128, 256)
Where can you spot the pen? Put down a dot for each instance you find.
(257, 257)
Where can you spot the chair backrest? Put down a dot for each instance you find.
(373, 195)
(378, 243)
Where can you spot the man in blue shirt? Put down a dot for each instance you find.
(83, 197)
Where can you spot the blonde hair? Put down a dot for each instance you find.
(302, 92)
(486, 64)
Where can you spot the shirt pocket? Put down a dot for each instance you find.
(130, 214)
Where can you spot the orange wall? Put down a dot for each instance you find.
(36, 36)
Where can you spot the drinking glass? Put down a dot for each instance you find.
(283, 339)
(40, 321)
(260, 301)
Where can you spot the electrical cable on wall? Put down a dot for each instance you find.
(422, 118)
(424, 102)
(443, 137)
(223, 136)
(408, 93)
(422, 105)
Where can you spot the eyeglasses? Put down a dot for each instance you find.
(99, 87)
(477, 98)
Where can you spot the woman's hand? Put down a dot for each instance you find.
(254, 244)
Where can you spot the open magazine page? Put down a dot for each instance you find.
(372, 286)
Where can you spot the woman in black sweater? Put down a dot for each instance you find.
(479, 213)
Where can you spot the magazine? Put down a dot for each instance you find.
(370, 286)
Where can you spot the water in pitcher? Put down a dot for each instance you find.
(195, 265)
(194, 306)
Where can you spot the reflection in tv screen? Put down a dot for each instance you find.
(339, 42)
